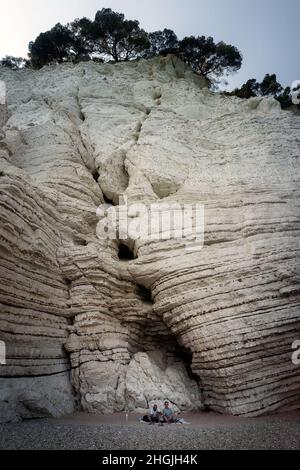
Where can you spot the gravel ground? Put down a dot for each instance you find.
(275, 433)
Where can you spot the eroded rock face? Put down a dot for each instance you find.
(85, 327)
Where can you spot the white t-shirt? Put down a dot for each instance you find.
(154, 413)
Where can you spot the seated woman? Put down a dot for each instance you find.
(168, 414)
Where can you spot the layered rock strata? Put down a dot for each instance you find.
(87, 327)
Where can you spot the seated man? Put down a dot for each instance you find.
(155, 414)
(168, 414)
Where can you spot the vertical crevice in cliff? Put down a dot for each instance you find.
(95, 175)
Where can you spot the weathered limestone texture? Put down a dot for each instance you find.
(86, 328)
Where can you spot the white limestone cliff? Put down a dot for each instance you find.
(87, 330)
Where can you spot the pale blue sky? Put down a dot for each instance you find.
(266, 31)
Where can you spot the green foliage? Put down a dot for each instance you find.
(248, 90)
(54, 46)
(13, 62)
(116, 37)
(162, 43)
(269, 87)
(82, 37)
(209, 59)
(228, 59)
(111, 36)
(285, 98)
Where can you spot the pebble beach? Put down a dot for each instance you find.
(206, 431)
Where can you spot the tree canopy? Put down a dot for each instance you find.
(269, 87)
(118, 38)
(162, 42)
(209, 59)
(82, 37)
(250, 89)
(13, 62)
(56, 45)
(110, 36)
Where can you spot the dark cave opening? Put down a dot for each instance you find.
(125, 254)
(144, 294)
(68, 282)
(187, 356)
(108, 201)
(182, 353)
